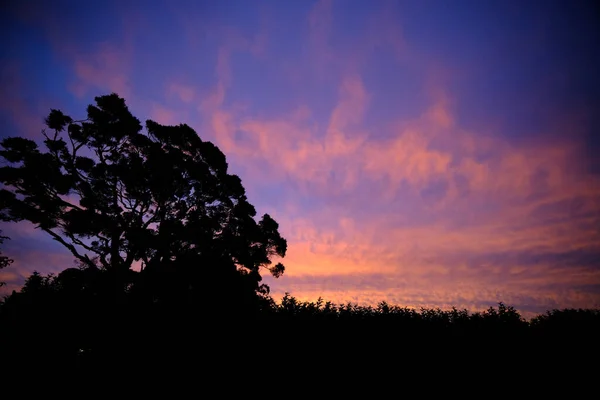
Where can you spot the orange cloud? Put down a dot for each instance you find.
(502, 202)
(422, 212)
(507, 221)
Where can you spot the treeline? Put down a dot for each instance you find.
(119, 195)
(502, 317)
(83, 285)
(76, 319)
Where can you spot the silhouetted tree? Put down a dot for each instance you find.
(114, 195)
(4, 260)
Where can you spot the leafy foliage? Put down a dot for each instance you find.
(88, 328)
(115, 196)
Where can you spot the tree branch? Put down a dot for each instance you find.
(69, 246)
(85, 246)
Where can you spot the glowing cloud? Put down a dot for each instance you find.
(403, 159)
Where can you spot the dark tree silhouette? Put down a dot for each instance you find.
(114, 195)
(4, 260)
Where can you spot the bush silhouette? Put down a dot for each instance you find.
(117, 197)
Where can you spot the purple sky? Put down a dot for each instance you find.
(426, 153)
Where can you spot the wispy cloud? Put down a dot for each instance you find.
(396, 171)
(26, 116)
(105, 70)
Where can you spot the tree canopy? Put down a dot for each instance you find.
(117, 196)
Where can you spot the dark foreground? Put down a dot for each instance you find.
(276, 339)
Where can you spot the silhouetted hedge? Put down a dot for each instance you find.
(53, 321)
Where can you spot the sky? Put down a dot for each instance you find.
(423, 153)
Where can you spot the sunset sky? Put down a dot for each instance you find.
(426, 153)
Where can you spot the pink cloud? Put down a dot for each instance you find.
(185, 93)
(350, 110)
(163, 115)
(421, 213)
(105, 69)
(424, 257)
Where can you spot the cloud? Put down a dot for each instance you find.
(319, 23)
(164, 116)
(384, 32)
(185, 93)
(347, 114)
(106, 69)
(44, 259)
(378, 203)
(371, 289)
(515, 218)
(26, 116)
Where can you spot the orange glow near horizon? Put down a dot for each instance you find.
(403, 159)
